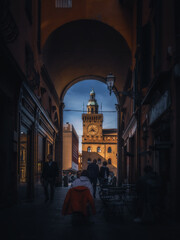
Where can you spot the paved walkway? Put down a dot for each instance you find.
(40, 221)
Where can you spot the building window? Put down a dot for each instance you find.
(89, 149)
(99, 161)
(89, 161)
(109, 150)
(63, 3)
(98, 149)
(109, 161)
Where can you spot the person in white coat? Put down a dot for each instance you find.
(83, 180)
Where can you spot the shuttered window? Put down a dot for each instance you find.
(63, 3)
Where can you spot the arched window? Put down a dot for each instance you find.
(109, 161)
(89, 161)
(98, 149)
(89, 149)
(109, 150)
(99, 161)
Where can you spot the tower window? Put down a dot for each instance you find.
(89, 149)
(99, 161)
(109, 150)
(109, 161)
(98, 149)
(89, 161)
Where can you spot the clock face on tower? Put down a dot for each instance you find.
(92, 129)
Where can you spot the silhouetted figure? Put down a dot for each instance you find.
(49, 174)
(65, 180)
(93, 170)
(148, 196)
(78, 174)
(103, 174)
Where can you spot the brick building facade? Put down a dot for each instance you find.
(70, 148)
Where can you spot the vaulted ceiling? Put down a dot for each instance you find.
(85, 48)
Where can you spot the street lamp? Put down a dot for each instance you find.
(110, 79)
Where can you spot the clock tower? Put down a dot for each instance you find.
(92, 121)
(97, 143)
(92, 126)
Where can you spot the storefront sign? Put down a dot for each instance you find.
(131, 129)
(160, 107)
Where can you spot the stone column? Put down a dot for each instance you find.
(175, 152)
(119, 145)
(59, 144)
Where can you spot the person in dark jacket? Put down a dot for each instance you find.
(48, 177)
(104, 173)
(148, 189)
(93, 171)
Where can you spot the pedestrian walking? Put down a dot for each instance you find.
(65, 180)
(79, 201)
(104, 174)
(148, 189)
(48, 177)
(83, 180)
(93, 170)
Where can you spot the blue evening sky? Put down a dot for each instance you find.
(79, 94)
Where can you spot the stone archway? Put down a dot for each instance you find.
(61, 109)
(78, 79)
(84, 48)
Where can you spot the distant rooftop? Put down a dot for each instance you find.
(110, 130)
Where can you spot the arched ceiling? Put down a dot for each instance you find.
(85, 47)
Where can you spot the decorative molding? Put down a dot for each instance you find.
(35, 112)
(48, 81)
(32, 75)
(103, 143)
(131, 128)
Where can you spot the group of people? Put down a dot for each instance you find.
(148, 188)
(79, 200)
(89, 177)
(86, 178)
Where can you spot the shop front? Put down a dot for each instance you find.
(37, 135)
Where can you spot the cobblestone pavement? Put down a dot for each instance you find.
(39, 221)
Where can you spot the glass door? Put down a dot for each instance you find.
(23, 164)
